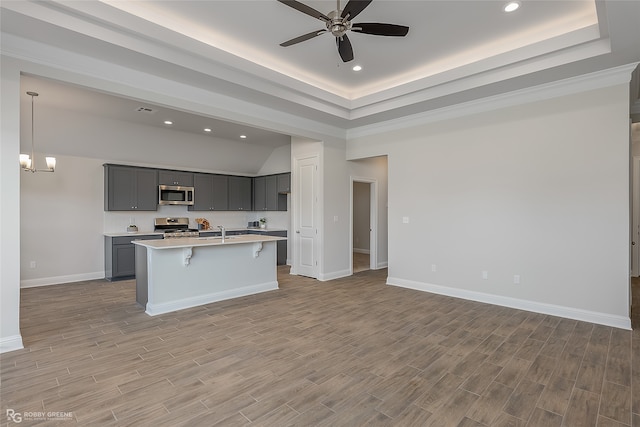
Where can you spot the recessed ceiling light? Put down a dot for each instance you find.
(168, 122)
(511, 6)
(207, 129)
(243, 136)
(357, 67)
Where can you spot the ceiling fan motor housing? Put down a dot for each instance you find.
(338, 26)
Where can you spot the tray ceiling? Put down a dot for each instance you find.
(456, 51)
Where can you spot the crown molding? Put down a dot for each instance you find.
(596, 80)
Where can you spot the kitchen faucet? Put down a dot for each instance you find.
(224, 232)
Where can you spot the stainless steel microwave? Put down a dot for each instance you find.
(175, 195)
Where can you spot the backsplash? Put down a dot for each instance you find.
(117, 222)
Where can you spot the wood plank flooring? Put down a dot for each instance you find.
(348, 352)
(360, 262)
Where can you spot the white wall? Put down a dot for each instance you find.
(10, 338)
(61, 222)
(336, 210)
(539, 190)
(278, 161)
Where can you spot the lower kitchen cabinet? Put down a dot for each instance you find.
(119, 256)
(281, 245)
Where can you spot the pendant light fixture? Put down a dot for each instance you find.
(27, 163)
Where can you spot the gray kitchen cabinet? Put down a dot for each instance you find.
(130, 188)
(259, 193)
(265, 193)
(169, 177)
(119, 254)
(211, 192)
(284, 183)
(240, 193)
(281, 245)
(272, 192)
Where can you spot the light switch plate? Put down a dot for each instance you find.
(405, 220)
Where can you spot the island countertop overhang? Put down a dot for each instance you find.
(190, 242)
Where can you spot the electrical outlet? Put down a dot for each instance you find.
(405, 220)
(485, 275)
(516, 279)
(32, 264)
(433, 268)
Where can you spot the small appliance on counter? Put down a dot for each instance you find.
(203, 224)
(132, 228)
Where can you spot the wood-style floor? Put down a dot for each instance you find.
(348, 352)
(360, 262)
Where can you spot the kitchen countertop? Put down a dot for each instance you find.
(137, 233)
(190, 242)
(148, 233)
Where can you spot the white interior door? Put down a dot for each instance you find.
(306, 217)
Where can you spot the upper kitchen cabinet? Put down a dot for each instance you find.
(284, 183)
(130, 188)
(168, 177)
(211, 192)
(239, 193)
(265, 193)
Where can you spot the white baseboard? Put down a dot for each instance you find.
(382, 265)
(537, 307)
(361, 251)
(57, 280)
(11, 343)
(334, 275)
(167, 307)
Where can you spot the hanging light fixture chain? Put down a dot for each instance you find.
(33, 119)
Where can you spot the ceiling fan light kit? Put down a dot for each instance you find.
(338, 22)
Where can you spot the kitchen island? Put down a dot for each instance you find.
(174, 274)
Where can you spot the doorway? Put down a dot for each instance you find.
(635, 220)
(363, 224)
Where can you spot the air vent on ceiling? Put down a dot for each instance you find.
(145, 110)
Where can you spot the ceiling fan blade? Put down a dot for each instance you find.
(302, 38)
(344, 48)
(378, 29)
(353, 8)
(305, 9)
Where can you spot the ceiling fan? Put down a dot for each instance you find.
(338, 22)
